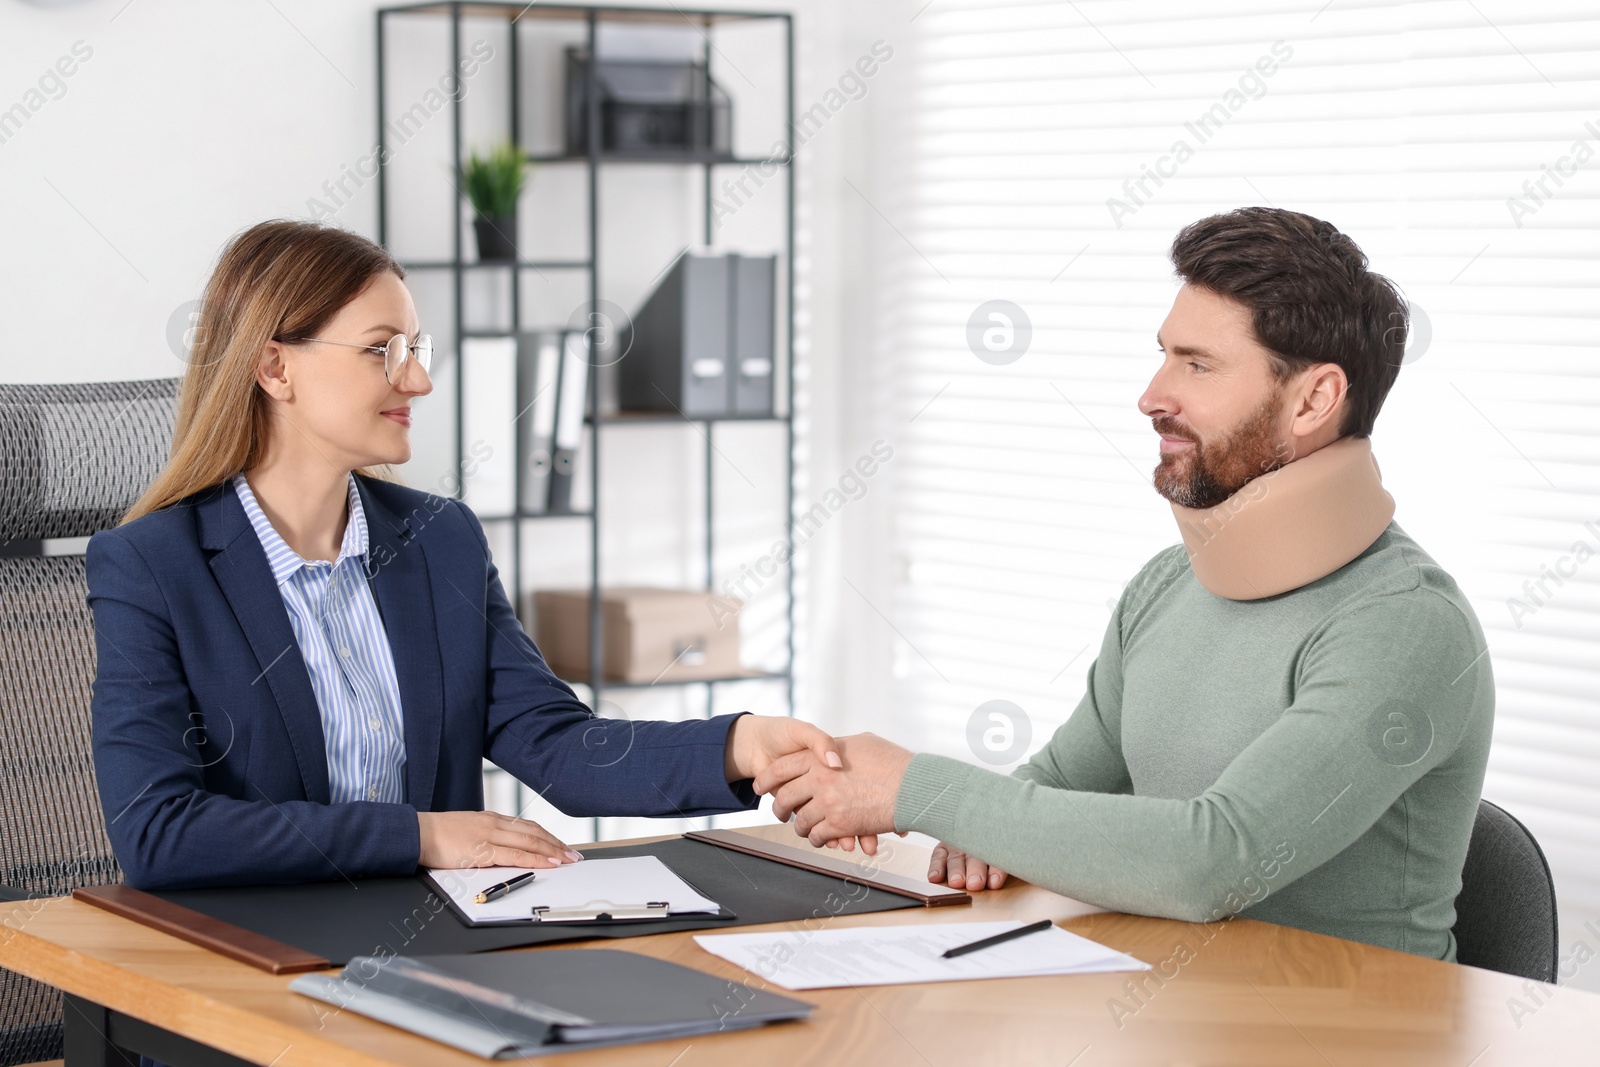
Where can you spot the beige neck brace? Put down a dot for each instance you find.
(1290, 527)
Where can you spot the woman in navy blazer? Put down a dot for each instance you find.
(211, 745)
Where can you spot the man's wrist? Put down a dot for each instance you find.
(896, 778)
(928, 795)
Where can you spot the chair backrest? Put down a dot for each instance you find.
(72, 459)
(1506, 912)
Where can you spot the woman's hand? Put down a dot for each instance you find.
(829, 803)
(961, 871)
(487, 839)
(754, 741)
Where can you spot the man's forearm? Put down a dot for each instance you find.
(1147, 855)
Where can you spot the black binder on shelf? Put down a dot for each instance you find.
(702, 343)
(536, 1003)
(753, 283)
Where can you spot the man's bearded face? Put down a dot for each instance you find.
(1206, 472)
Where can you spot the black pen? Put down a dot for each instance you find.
(495, 892)
(1021, 931)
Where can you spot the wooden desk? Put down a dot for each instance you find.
(1239, 992)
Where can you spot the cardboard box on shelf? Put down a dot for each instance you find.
(648, 634)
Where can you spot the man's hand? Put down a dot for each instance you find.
(487, 839)
(958, 870)
(829, 803)
(754, 741)
(868, 843)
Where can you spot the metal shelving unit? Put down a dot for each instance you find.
(593, 160)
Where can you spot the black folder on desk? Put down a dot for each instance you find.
(291, 928)
(530, 1004)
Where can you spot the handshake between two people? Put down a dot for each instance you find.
(840, 792)
(849, 801)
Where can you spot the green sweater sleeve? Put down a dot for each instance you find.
(1383, 693)
(1086, 752)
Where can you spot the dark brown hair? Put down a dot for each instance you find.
(284, 280)
(1311, 298)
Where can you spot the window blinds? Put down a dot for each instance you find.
(1047, 153)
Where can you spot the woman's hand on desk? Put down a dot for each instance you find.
(961, 871)
(488, 839)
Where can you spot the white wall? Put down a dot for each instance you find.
(188, 122)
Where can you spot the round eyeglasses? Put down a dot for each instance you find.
(395, 353)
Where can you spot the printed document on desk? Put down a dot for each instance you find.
(894, 955)
(621, 883)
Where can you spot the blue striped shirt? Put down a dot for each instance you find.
(346, 651)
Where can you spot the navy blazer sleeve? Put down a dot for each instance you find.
(167, 828)
(584, 764)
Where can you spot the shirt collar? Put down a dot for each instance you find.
(284, 560)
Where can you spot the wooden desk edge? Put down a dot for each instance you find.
(232, 1029)
(235, 1030)
(217, 1023)
(204, 1014)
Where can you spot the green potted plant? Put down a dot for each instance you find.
(493, 185)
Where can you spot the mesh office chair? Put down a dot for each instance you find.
(72, 459)
(1506, 913)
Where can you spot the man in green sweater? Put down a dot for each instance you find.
(1291, 711)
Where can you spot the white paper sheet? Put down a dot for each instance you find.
(628, 881)
(892, 955)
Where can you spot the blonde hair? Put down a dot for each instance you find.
(280, 280)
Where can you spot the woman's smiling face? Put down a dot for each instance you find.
(335, 398)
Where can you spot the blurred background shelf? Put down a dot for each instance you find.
(536, 49)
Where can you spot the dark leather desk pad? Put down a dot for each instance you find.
(404, 916)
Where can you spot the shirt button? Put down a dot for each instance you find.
(372, 721)
(372, 794)
(345, 652)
